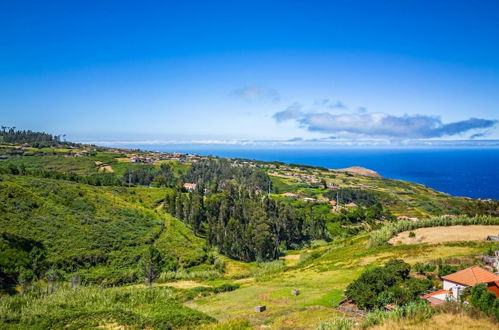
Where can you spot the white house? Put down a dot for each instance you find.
(190, 186)
(455, 283)
(438, 297)
(462, 279)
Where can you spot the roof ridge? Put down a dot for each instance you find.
(473, 272)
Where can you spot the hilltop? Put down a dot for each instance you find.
(362, 171)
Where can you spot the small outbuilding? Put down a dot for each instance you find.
(260, 309)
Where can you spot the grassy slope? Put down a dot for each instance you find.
(92, 307)
(83, 225)
(321, 282)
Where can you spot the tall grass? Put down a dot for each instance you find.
(90, 307)
(415, 310)
(340, 323)
(381, 236)
(193, 275)
(267, 270)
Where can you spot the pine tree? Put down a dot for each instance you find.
(150, 265)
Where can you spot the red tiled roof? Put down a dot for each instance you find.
(435, 301)
(494, 288)
(471, 276)
(434, 293)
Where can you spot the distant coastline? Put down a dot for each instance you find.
(467, 172)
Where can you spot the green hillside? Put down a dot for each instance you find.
(99, 231)
(94, 237)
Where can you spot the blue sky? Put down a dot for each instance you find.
(314, 71)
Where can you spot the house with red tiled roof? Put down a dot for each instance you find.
(190, 186)
(438, 297)
(352, 204)
(462, 279)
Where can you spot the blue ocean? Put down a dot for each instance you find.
(459, 172)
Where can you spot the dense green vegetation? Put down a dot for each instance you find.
(215, 174)
(357, 196)
(249, 225)
(99, 232)
(484, 300)
(390, 284)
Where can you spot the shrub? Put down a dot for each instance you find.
(444, 270)
(412, 234)
(379, 286)
(484, 300)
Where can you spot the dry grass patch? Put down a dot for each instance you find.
(445, 321)
(445, 234)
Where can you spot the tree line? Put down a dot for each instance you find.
(35, 139)
(246, 224)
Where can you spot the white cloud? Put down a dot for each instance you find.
(256, 94)
(380, 125)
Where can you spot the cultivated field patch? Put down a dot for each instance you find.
(444, 234)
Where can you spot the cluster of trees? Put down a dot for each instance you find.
(35, 139)
(477, 207)
(97, 179)
(22, 260)
(149, 174)
(246, 224)
(357, 196)
(364, 214)
(214, 174)
(376, 287)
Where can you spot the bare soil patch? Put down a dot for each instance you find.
(106, 168)
(445, 234)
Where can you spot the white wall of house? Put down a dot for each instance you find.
(442, 296)
(454, 287)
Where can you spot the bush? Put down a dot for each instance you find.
(484, 300)
(379, 286)
(412, 234)
(444, 270)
